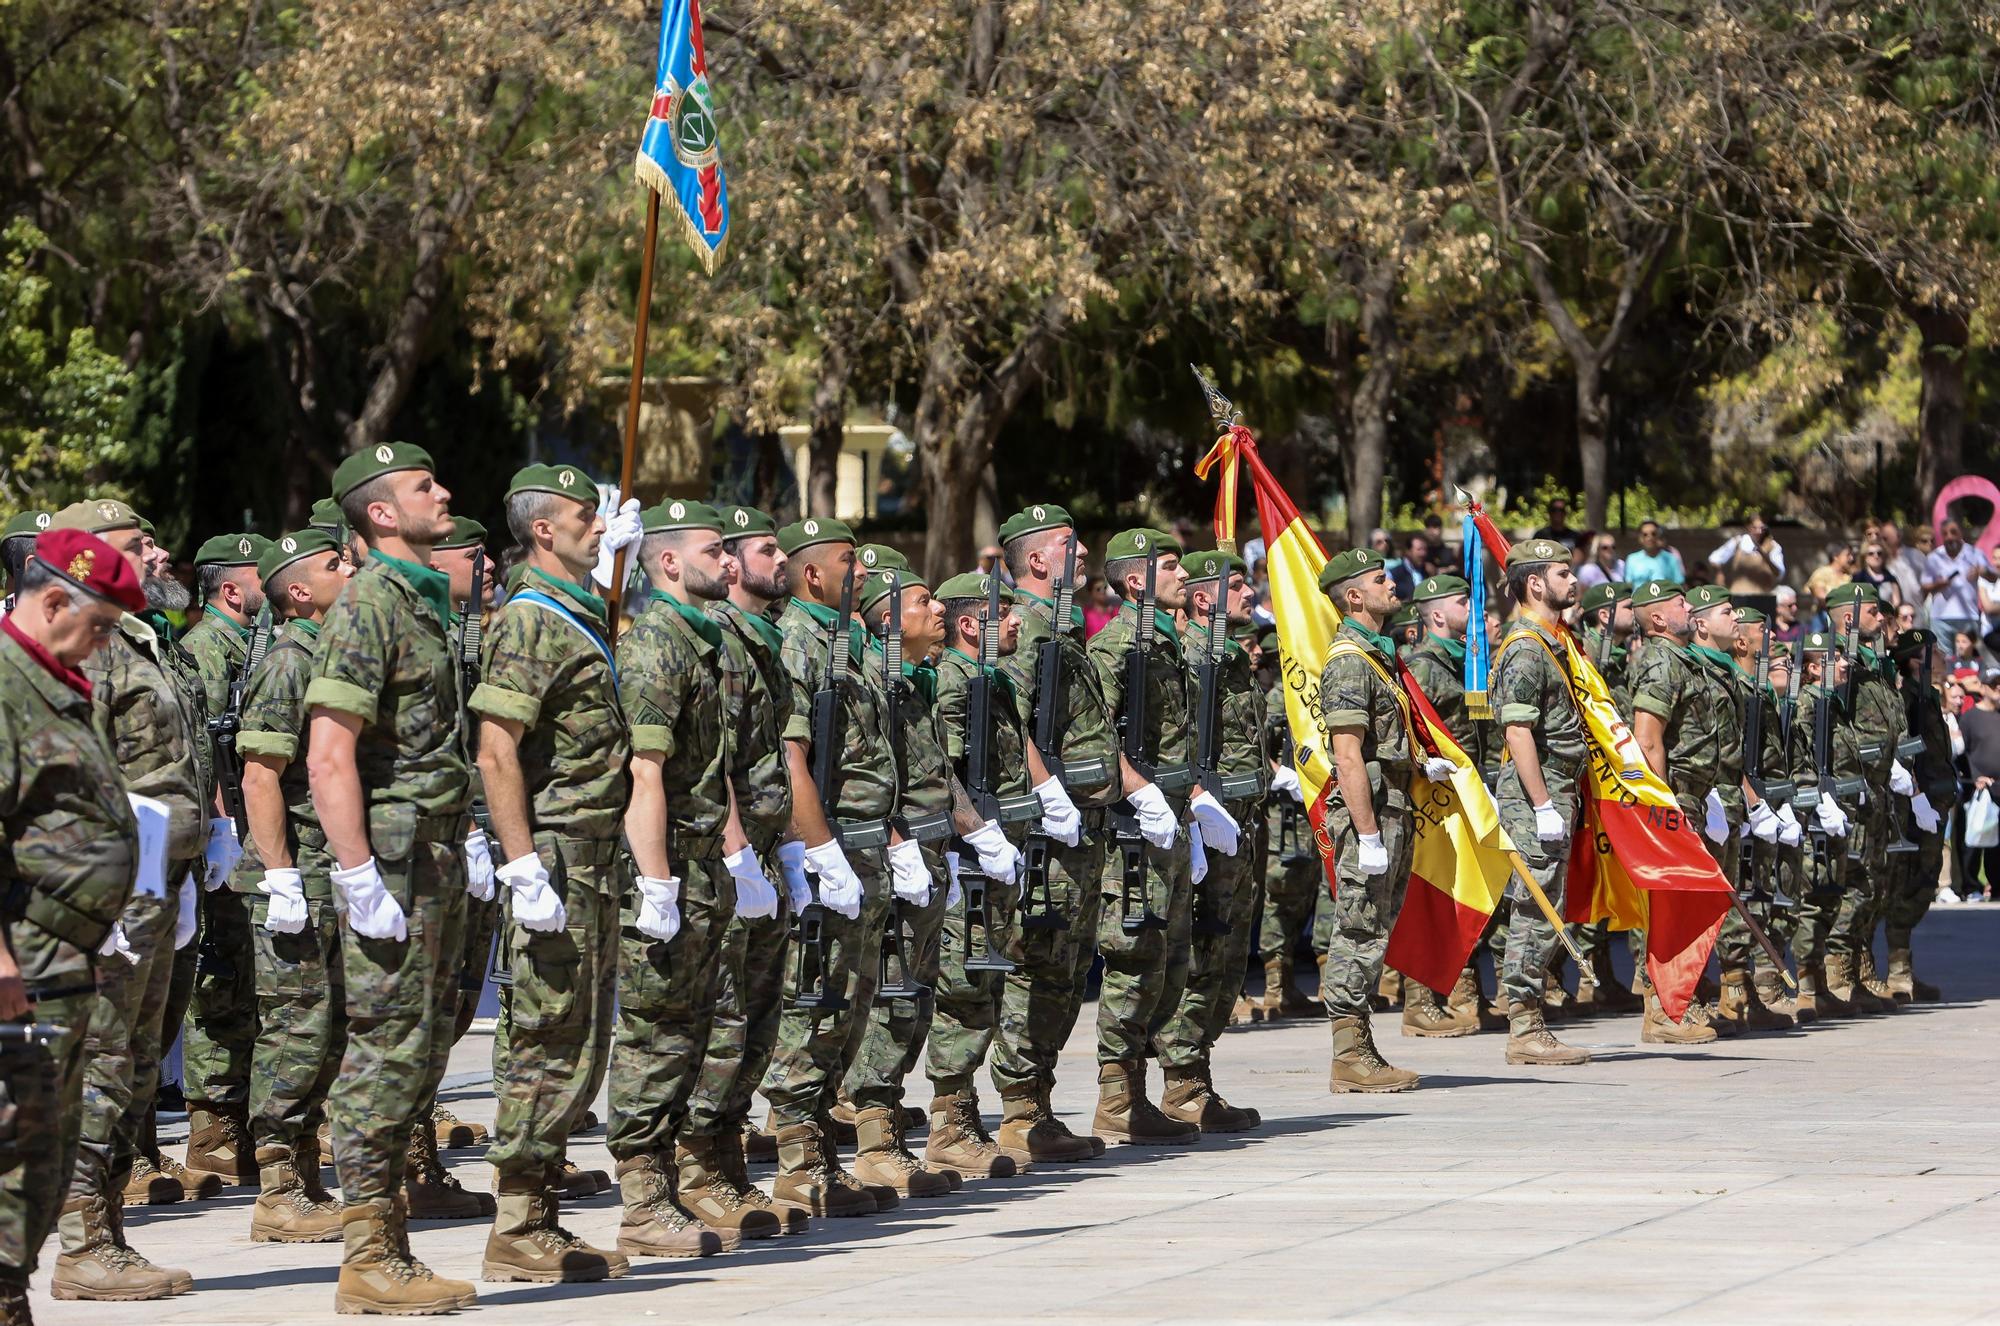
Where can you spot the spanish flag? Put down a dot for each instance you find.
(1459, 865)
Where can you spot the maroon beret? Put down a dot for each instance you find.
(92, 565)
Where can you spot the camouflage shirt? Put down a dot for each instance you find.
(539, 670)
(1084, 734)
(141, 709)
(867, 777)
(68, 841)
(1846, 754)
(1167, 743)
(1006, 748)
(1529, 687)
(185, 672)
(1352, 694)
(1878, 717)
(1732, 703)
(274, 726)
(385, 657)
(1439, 667)
(756, 701)
(924, 772)
(1239, 721)
(218, 647)
(668, 679)
(1669, 687)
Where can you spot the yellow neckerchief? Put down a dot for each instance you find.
(1342, 646)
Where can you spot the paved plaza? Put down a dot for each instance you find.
(1846, 1174)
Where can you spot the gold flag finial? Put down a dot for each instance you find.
(1226, 414)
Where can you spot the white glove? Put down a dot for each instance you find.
(754, 895)
(1549, 826)
(186, 921)
(1197, 859)
(1831, 818)
(839, 886)
(957, 895)
(1717, 827)
(621, 530)
(479, 866)
(287, 892)
(1900, 781)
(1286, 780)
(1764, 822)
(371, 912)
(1790, 831)
(1218, 827)
(659, 907)
(1438, 769)
(1927, 818)
(1061, 819)
(1373, 857)
(1157, 824)
(792, 865)
(221, 854)
(116, 942)
(535, 904)
(908, 875)
(997, 857)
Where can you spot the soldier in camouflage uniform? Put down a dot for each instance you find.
(142, 712)
(1676, 723)
(1819, 777)
(1880, 723)
(1764, 1004)
(1935, 798)
(553, 749)
(295, 933)
(1293, 880)
(683, 828)
(839, 838)
(1226, 898)
(222, 1033)
(70, 862)
(1604, 628)
(1043, 996)
(387, 770)
(1368, 824)
(1145, 969)
(17, 539)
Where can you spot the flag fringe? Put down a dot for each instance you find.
(1476, 706)
(649, 174)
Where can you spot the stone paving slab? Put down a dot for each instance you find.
(1845, 1174)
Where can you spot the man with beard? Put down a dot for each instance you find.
(385, 759)
(1539, 801)
(222, 1034)
(145, 713)
(687, 843)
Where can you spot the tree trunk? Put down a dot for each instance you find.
(1941, 408)
(1593, 436)
(954, 431)
(829, 420)
(1367, 454)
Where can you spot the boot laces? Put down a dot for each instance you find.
(965, 1113)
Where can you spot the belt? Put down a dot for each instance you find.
(439, 828)
(688, 843)
(1014, 809)
(588, 851)
(922, 828)
(1174, 780)
(862, 833)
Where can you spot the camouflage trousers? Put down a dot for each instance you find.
(1735, 950)
(966, 1019)
(1913, 887)
(1042, 997)
(1144, 973)
(811, 1056)
(749, 996)
(401, 999)
(122, 1050)
(552, 1047)
(302, 1023)
(41, 1095)
(1364, 907)
(1821, 886)
(222, 1033)
(1532, 945)
(482, 923)
(1291, 889)
(1228, 895)
(884, 1047)
(666, 1006)
(1853, 921)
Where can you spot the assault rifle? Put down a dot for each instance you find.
(895, 956)
(1773, 793)
(1291, 813)
(1208, 741)
(1038, 909)
(809, 937)
(223, 728)
(975, 883)
(1135, 908)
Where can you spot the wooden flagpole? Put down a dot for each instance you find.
(616, 594)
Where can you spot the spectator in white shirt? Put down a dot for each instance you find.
(1752, 562)
(1951, 579)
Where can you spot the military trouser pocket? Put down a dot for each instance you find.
(645, 972)
(547, 967)
(287, 965)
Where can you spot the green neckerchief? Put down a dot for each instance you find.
(1163, 624)
(857, 636)
(999, 679)
(575, 593)
(305, 624)
(427, 582)
(1382, 644)
(162, 625)
(697, 621)
(1453, 649)
(1075, 608)
(242, 632)
(766, 629)
(921, 676)
(1715, 656)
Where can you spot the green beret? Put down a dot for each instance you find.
(1603, 596)
(1817, 642)
(376, 461)
(561, 480)
(971, 585)
(876, 587)
(1656, 591)
(232, 550)
(740, 522)
(1852, 592)
(1703, 597)
(880, 557)
(28, 522)
(1213, 565)
(1440, 587)
(1268, 642)
(326, 514)
(813, 530)
(95, 515)
(1347, 565)
(1912, 644)
(1139, 542)
(1033, 519)
(1402, 617)
(677, 513)
(1534, 552)
(1749, 617)
(465, 533)
(146, 528)
(293, 547)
